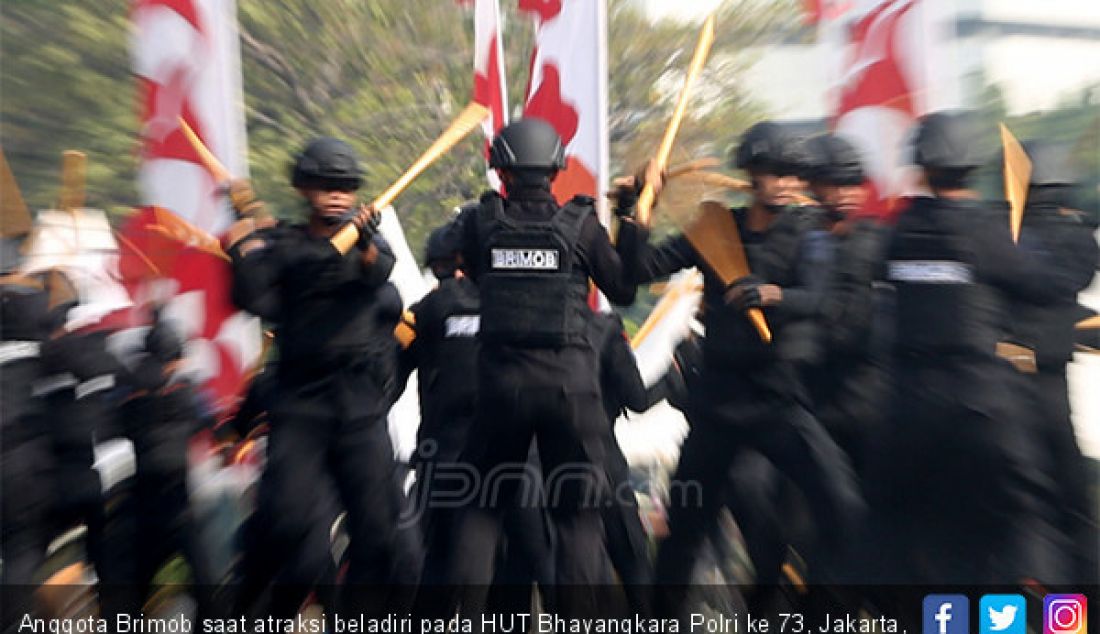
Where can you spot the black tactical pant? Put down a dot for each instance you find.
(727, 420)
(164, 518)
(848, 396)
(570, 441)
(323, 439)
(24, 455)
(627, 543)
(1067, 468)
(953, 485)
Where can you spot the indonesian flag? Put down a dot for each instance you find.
(186, 56)
(568, 88)
(490, 89)
(896, 68)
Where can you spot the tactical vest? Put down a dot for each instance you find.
(851, 306)
(449, 335)
(533, 293)
(731, 340)
(941, 307)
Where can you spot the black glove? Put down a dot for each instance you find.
(368, 225)
(626, 198)
(745, 293)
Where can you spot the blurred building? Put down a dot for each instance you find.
(1037, 52)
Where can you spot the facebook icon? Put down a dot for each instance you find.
(946, 614)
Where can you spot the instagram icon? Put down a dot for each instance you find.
(1065, 614)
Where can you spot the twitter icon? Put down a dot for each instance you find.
(1002, 614)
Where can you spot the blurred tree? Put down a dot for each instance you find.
(66, 84)
(388, 75)
(1074, 122)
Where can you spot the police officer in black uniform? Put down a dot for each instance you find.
(26, 319)
(954, 482)
(444, 352)
(622, 388)
(847, 377)
(328, 424)
(160, 416)
(749, 395)
(531, 259)
(1065, 239)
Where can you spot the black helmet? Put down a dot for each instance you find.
(769, 147)
(327, 159)
(834, 160)
(1051, 164)
(443, 243)
(946, 141)
(529, 143)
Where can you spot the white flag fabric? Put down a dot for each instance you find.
(186, 56)
(896, 67)
(490, 87)
(568, 88)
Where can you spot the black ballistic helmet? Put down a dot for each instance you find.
(327, 160)
(834, 161)
(527, 144)
(946, 141)
(1051, 164)
(443, 243)
(769, 147)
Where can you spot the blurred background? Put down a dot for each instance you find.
(388, 75)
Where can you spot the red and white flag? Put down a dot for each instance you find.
(186, 56)
(896, 68)
(568, 88)
(490, 89)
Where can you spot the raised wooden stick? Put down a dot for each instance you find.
(1017, 174)
(73, 170)
(702, 50)
(468, 120)
(209, 161)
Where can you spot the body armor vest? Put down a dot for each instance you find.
(533, 293)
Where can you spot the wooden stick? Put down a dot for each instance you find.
(209, 161)
(467, 121)
(702, 50)
(715, 236)
(717, 180)
(1017, 173)
(73, 170)
(176, 228)
(673, 294)
(15, 219)
(1091, 323)
(692, 166)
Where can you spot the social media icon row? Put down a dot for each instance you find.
(1004, 614)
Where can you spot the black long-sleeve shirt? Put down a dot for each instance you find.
(324, 304)
(621, 384)
(774, 255)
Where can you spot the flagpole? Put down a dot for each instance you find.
(501, 67)
(603, 73)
